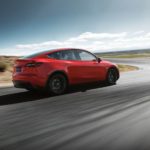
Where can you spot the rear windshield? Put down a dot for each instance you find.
(34, 55)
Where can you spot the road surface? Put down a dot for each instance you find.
(95, 117)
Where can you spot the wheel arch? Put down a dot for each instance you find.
(57, 72)
(114, 67)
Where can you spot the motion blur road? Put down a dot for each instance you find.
(94, 117)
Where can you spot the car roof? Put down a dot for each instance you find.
(61, 49)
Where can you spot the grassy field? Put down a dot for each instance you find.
(127, 54)
(125, 68)
(7, 62)
(6, 65)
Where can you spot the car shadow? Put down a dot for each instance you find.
(86, 87)
(27, 96)
(20, 97)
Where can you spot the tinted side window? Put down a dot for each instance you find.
(63, 55)
(55, 55)
(85, 56)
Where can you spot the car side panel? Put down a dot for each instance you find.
(86, 71)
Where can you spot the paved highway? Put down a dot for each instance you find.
(96, 117)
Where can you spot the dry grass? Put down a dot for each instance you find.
(125, 68)
(7, 62)
(3, 67)
(5, 77)
(125, 55)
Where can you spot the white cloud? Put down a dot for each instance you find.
(139, 32)
(90, 35)
(40, 45)
(95, 42)
(148, 35)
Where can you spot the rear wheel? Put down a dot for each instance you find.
(112, 76)
(57, 84)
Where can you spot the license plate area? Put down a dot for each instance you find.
(18, 69)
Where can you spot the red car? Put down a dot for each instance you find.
(55, 70)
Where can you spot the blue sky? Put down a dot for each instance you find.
(99, 25)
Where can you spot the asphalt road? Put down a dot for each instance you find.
(96, 117)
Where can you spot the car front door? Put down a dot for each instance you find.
(89, 68)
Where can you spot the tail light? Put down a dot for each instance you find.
(34, 64)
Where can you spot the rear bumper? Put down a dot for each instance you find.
(22, 84)
(28, 80)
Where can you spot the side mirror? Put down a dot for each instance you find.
(99, 60)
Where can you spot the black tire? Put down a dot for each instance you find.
(112, 76)
(57, 84)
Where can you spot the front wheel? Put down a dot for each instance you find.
(112, 76)
(57, 84)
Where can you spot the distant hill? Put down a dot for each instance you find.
(126, 52)
(145, 53)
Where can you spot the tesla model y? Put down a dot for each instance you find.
(55, 70)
